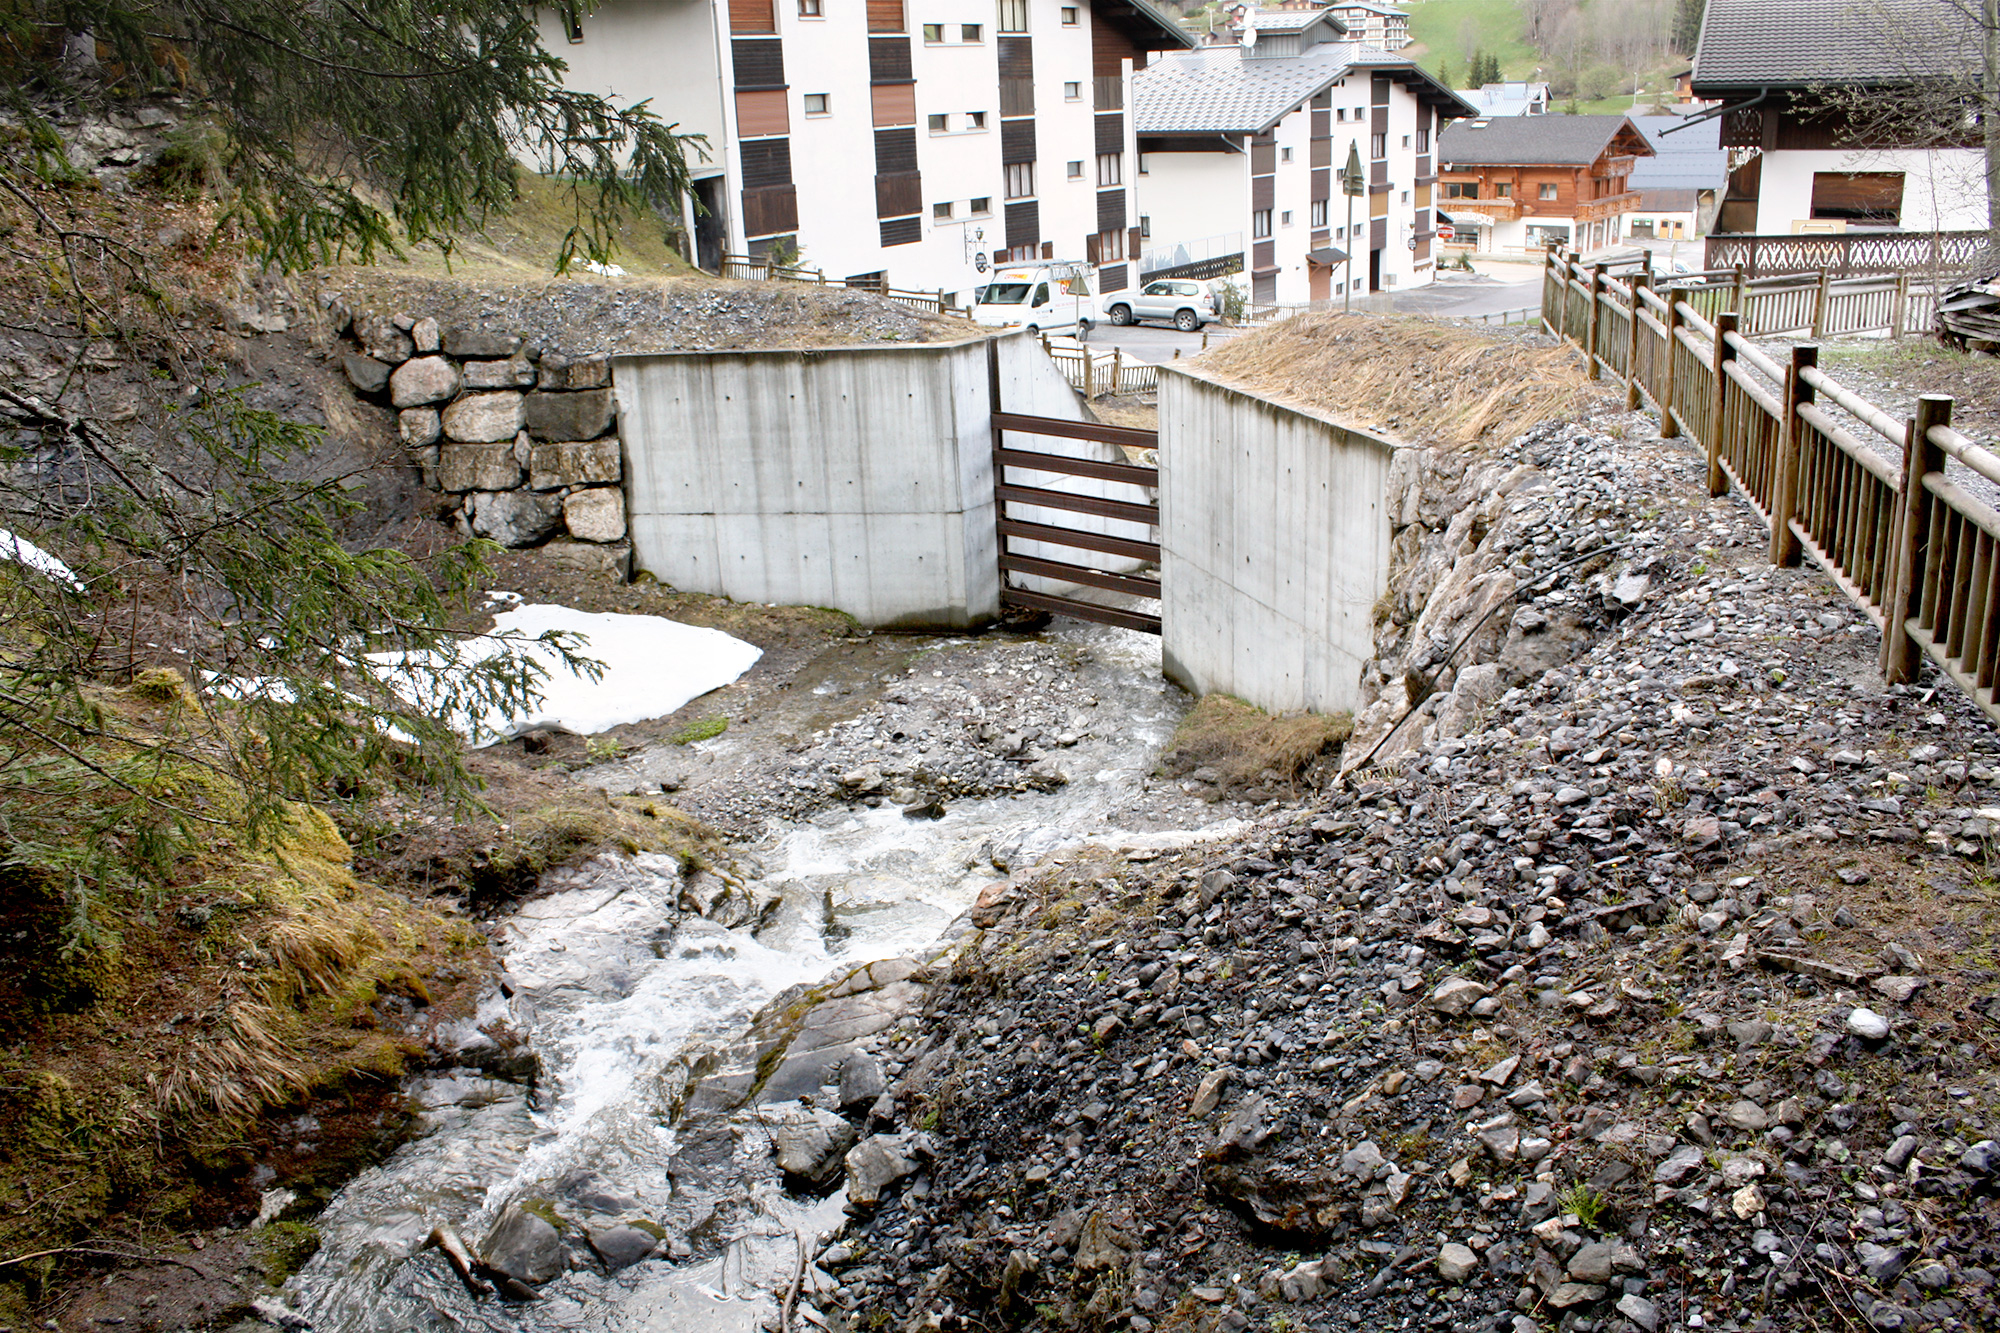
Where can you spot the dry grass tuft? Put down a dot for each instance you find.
(1244, 746)
(1431, 383)
(240, 1063)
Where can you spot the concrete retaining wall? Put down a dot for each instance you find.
(858, 478)
(1276, 533)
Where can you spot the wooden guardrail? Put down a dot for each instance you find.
(1097, 374)
(752, 269)
(1918, 553)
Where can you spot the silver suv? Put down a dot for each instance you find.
(1187, 305)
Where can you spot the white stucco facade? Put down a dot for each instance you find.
(1943, 189)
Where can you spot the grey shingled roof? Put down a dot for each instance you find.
(1752, 44)
(1292, 20)
(1689, 159)
(1218, 90)
(1506, 141)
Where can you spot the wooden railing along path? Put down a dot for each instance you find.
(752, 269)
(1919, 554)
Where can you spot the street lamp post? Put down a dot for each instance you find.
(1351, 184)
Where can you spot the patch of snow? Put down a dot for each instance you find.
(30, 556)
(651, 666)
(604, 270)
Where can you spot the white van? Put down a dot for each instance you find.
(1051, 296)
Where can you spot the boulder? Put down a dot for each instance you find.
(478, 467)
(595, 515)
(1456, 1263)
(484, 418)
(576, 463)
(419, 426)
(621, 1247)
(809, 1144)
(423, 380)
(1099, 1245)
(861, 1082)
(381, 339)
(613, 561)
(475, 341)
(366, 373)
(513, 518)
(1455, 995)
(877, 1162)
(524, 1246)
(592, 372)
(1472, 694)
(424, 335)
(569, 416)
(516, 372)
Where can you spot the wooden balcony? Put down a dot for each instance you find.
(1499, 210)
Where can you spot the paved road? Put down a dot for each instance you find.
(1507, 287)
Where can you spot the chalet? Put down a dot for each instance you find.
(1527, 182)
(1378, 25)
(1679, 187)
(1246, 140)
(909, 142)
(1807, 162)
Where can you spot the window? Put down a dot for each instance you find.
(1145, 224)
(1020, 180)
(573, 28)
(1072, 92)
(975, 120)
(810, 9)
(1285, 218)
(1423, 141)
(1144, 167)
(1871, 197)
(940, 212)
(934, 32)
(816, 104)
(1406, 141)
(1111, 168)
(971, 32)
(1378, 146)
(1546, 190)
(1461, 189)
(1503, 190)
(1406, 197)
(981, 206)
(1319, 213)
(1111, 246)
(1341, 115)
(1076, 171)
(940, 124)
(1260, 223)
(1013, 15)
(1284, 154)
(1069, 16)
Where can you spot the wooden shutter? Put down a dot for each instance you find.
(1024, 224)
(1111, 210)
(1093, 249)
(752, 16)
(902, 231)
(894, 103)
(1017, 141)
(770, 210)
(898, 194)
(759, 62)
(766, 162)
(1111, 133)
(762, 113)
(885, 15)
(895, 150)
(889, 60)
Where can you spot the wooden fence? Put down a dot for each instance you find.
(1914, 550)
(1848, 254)
(1097, 374)
(1817, 305)
(752, 269)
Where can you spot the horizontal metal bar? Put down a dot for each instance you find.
(1816, 416)
(1081, 541)
(1128, 436)
(1093, 578)
(1071, 606)
(1145, 514)
(1078, 467)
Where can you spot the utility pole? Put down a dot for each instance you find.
(1351, 184)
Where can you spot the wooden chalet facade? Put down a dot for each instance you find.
(1527, 182)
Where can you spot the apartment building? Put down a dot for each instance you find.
(1378, 25)
(915, 143)
(1248, 139)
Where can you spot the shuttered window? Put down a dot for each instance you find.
(895, 150)
(766, 162)
(762, 113)
(1111, 211)
(1859, 196)
(885, 15)
(889, 60)
(1024, 225)
(759, 62)
(902, 231)
(752, 16)
(770, 210)
(1017, 141)
(1111, 134)
(898, 194)
(894, 103)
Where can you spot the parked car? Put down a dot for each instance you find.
(1052, 296)
(1185, 304)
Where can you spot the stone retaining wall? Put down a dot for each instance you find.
(522, 441)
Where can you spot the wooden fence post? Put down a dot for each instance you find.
(1638, 284)
(1590, 328)
(1742, 290)
(1902, 656)
(1785, 548)
(1670, 422)
(1718, 480)
(1901, 309)
(1819, 304)
(1088, 385)
(1117, 366)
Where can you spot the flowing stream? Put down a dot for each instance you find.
(610, 983)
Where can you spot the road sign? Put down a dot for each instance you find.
(1446, 233)
(1352, 180)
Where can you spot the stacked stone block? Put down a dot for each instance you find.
(523, 442)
